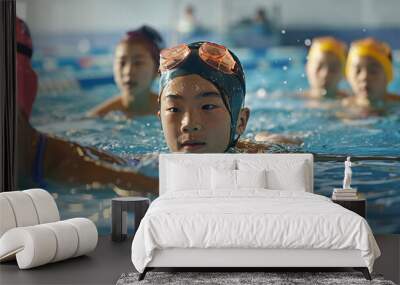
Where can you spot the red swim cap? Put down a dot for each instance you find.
(27, 82)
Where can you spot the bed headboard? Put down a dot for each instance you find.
(211, 158)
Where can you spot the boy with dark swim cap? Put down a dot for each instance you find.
(136, 61)
(202, 91)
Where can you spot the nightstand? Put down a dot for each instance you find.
(120, 208)
(358, 206)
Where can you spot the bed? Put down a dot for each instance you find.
(245, 211)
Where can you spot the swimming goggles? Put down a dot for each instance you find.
(216, 56)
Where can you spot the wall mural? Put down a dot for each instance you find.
(89, 127)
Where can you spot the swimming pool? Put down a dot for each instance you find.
(71, 84)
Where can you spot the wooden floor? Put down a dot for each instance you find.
(110, 259)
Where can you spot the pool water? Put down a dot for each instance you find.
(273, 79)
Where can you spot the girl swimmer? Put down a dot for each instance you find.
(325, 67)
(369, 70)
(136, 62)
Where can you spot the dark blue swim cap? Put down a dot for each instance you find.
(231, 86)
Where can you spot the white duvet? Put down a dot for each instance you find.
(250, 218)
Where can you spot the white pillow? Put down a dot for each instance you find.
(227, 179)
(223, 179)
(287, 174)
(186, 175)
(251, 178)
(291, 177)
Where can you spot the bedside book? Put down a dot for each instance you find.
(340, 190)
(345, 198)
(345, 194)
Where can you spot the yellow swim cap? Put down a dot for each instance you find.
(328, 44)
(379, 51)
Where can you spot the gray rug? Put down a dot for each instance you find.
(225, 278)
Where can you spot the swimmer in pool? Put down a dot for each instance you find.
(136, 61)
(202, 92)
(325, 68)
(42, 157)
(369, 70)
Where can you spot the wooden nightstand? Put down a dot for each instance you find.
(358, 206)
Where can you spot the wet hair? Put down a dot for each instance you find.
(148, 36)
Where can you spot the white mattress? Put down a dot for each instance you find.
(258, 219)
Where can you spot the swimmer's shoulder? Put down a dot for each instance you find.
(113, 104)
(152, 109)
(304, 95)
(342, 94)
(348, 101)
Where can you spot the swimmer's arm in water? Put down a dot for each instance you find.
(73, 166)
(263, 142)
(113, 104)
(391, 97)
(270, 138)
(247, 146)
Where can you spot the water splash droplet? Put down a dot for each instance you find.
(261, 93)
